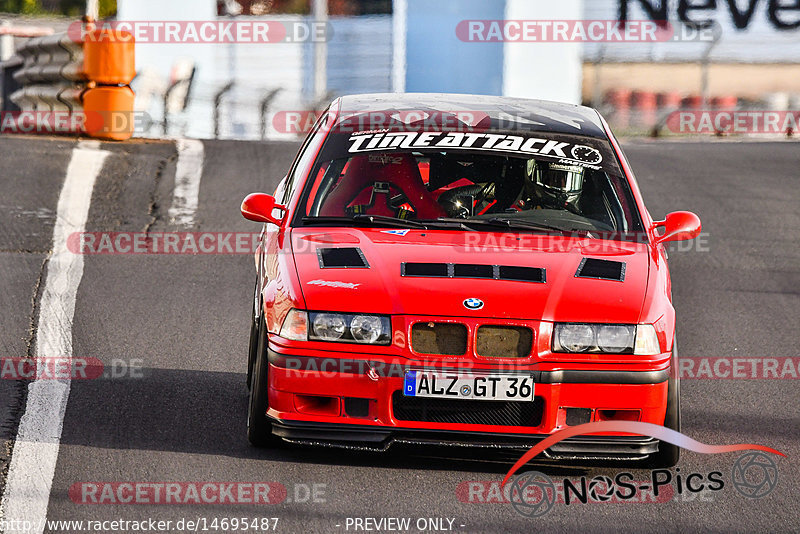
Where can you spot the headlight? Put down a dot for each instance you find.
(616, 338)
(329, 326)
(606, 338)
(574, 337)
(350, 328)
(367, 328)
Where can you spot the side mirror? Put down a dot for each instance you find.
(259, 206)
(679, 226)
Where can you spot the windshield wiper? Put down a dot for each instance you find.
(527, 225)
(449, 222)
(513, 223)
(363, 218)
(508, 223)
(384, 219)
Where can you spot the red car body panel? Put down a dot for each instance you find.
(562, 298)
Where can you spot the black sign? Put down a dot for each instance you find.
(782, 14)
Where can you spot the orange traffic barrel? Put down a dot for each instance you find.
(669, 100)
(619, 100)
(692, 102)
(644, 104)
(724, 102)
(109, 113)
(109, 57)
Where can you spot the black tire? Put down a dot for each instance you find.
(253, 346)
(252, 349)
(669, 454)
(259, 427)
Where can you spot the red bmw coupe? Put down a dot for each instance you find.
(462, 270)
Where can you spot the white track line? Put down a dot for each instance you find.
(33, 461)
(188, 172)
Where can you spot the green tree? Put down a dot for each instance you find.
(32, 7)
(72, 8)
(76, 8)
(21, 6)
(11, 6)
(108, 8)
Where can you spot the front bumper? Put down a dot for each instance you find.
(370, 438)
(310, 402)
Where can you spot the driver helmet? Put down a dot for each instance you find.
(555, 184)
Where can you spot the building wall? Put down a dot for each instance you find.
(751, 81)
(360, 55)
(438, 61)
(752, 49)
(359, 60)
(764, 35)
(548, 71)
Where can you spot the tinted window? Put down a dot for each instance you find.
(569, 182)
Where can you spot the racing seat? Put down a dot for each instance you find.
(370, 182)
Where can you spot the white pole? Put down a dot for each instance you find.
(399, 31)
(320, 14)
(93, 9)
(6, 43)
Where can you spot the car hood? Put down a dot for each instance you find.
(381, 287)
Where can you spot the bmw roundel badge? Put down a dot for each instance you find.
(473, 304)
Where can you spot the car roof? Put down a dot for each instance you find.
(506, 113)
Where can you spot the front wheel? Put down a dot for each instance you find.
(252, 348)
(259, 428)
(251, 351)
(668, 453)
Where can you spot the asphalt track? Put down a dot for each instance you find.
(184, 319)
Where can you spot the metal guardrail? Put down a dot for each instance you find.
(263, 107)
(51, 59)
(217, 103)
(90, 76)
(181, 84)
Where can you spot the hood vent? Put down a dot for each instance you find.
(602, 269)
(473, 271)
(466, 270)
(436, 270)
(341, 258)
(522, 274)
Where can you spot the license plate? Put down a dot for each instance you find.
(478, 387)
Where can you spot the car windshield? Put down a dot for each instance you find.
(507, 181)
